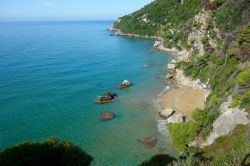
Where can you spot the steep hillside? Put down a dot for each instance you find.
(212, 41)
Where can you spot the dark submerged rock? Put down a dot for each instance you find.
(105, 116)
(148, 142)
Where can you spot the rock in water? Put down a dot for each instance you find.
(167, 112)
(105, 116)
(158, 43)
(106, 98)
(176, 119)
(125, 83)
(148, 142)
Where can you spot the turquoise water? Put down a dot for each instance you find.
(52, 71)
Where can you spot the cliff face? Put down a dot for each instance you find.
(213, 41)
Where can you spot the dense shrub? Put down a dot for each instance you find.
(159, 160)
(245, 101)
(236, 101)
(48, 153)
(219, 2)
(244, 78)
(233, 12)
(183, 133)
(205, 40)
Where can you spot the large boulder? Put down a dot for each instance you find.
(179, 118)
(227, 121)
(157, 43)
(171, 65)
(125, 83)
(167, 112)
(106, 98)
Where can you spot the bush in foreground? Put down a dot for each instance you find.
(159, 160)
(51, 152)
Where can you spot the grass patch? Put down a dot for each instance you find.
(229, 150)
(244, 77)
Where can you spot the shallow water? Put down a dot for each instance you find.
(52, 71)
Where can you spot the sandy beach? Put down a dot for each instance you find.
(183, 99)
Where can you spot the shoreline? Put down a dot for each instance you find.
(179, 91)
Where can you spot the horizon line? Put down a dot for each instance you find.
(87, 20)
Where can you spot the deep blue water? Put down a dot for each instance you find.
(50, 73)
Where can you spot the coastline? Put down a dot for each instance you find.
(179, 93)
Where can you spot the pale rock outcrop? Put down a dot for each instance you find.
(181, 78)
(157, 43)
(160, 46)
(195, 37)
(167, 112)
(145, 20)
(184, 55)
(227, 121)
(171, 65)
(179, 118)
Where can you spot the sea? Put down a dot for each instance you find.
(51, 73)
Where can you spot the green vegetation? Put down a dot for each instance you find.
(183, 133)
(240, 48)
(51, 152)
(205, 40)
(233, 12)
(219, 71)
(157, 16)
(242, 100)
(236, 101)
(244, 78)
(245, 100)
(231, 149)
(225, 68)
(226, 76)
(223, 74)
(219, 2)
(159, 160)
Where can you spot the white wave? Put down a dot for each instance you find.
(162, 127)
